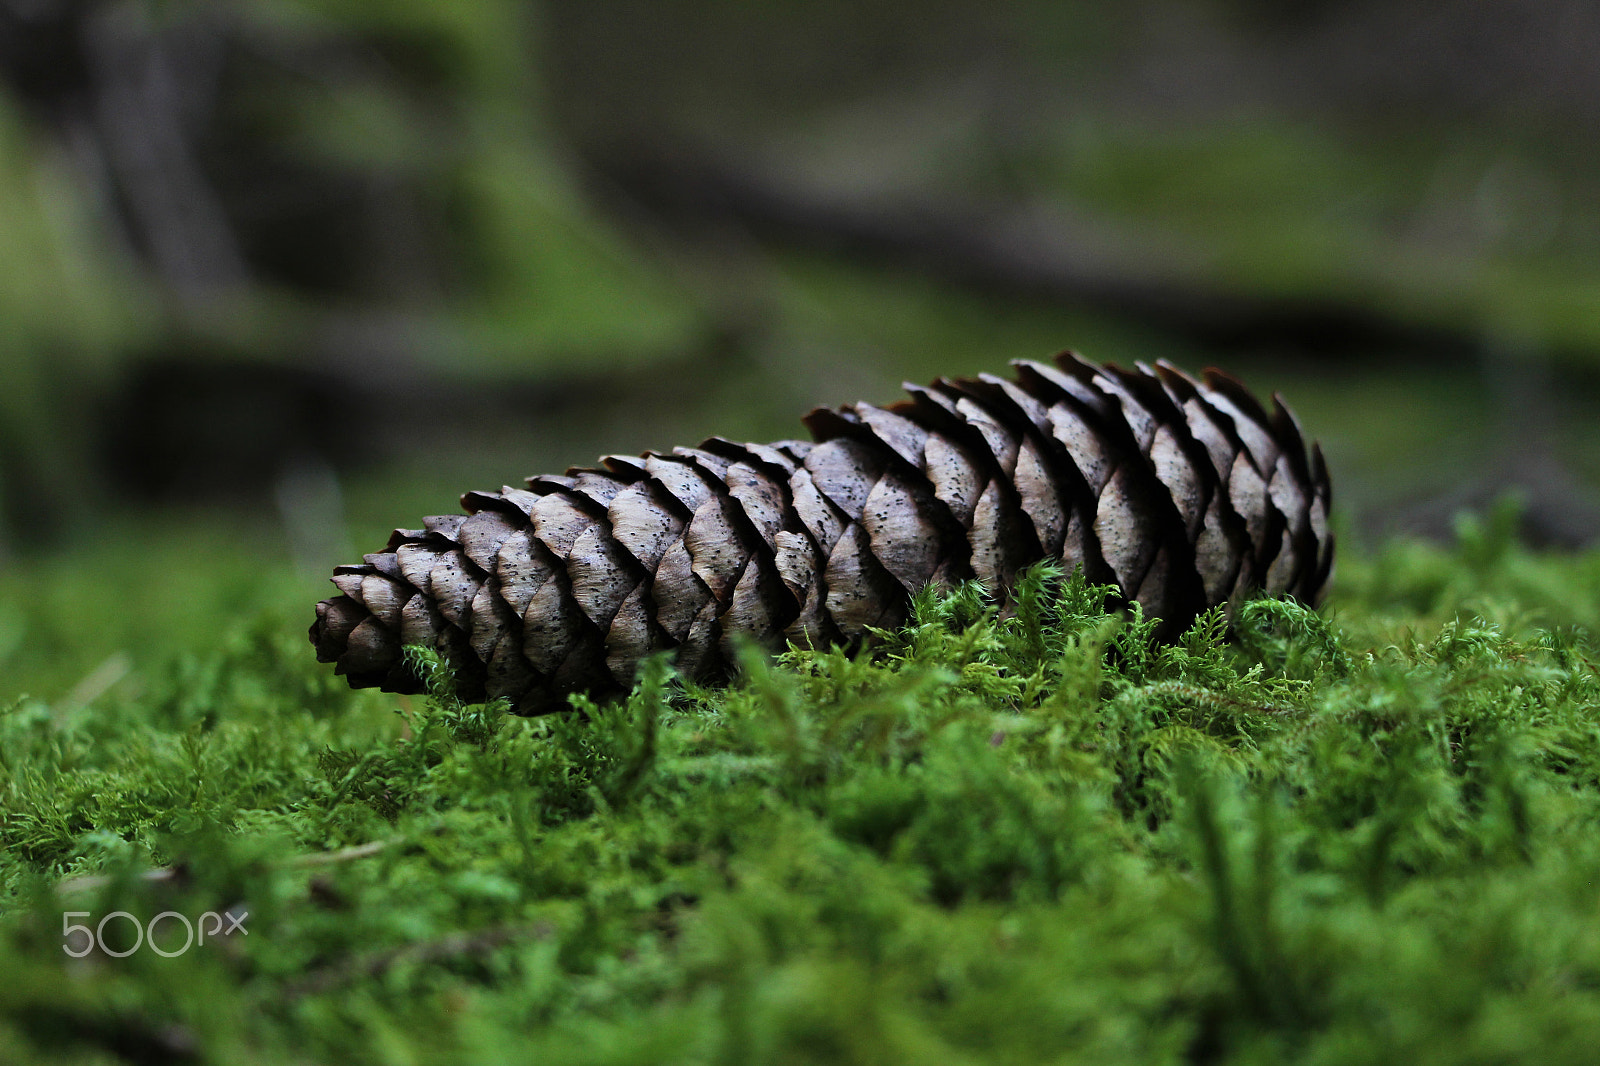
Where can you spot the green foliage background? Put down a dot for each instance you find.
(1366, 834)
(464, 144)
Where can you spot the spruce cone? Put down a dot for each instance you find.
(1182, 493)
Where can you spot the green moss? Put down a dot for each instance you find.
(1366, 834)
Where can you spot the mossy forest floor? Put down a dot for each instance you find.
(1367, 834)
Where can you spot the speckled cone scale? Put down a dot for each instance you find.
(1182, 493)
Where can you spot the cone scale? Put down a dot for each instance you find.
(1182, 493)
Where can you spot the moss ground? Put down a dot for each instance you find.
(1364, 834)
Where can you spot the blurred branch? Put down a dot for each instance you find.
(143, 82)
(1032, 250)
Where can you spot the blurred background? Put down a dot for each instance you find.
(279, 275)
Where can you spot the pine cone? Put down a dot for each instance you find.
(1182, 493)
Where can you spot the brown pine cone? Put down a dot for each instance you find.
(1182, 493)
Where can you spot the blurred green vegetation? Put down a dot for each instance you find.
(1488, 236)
(419, 200)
